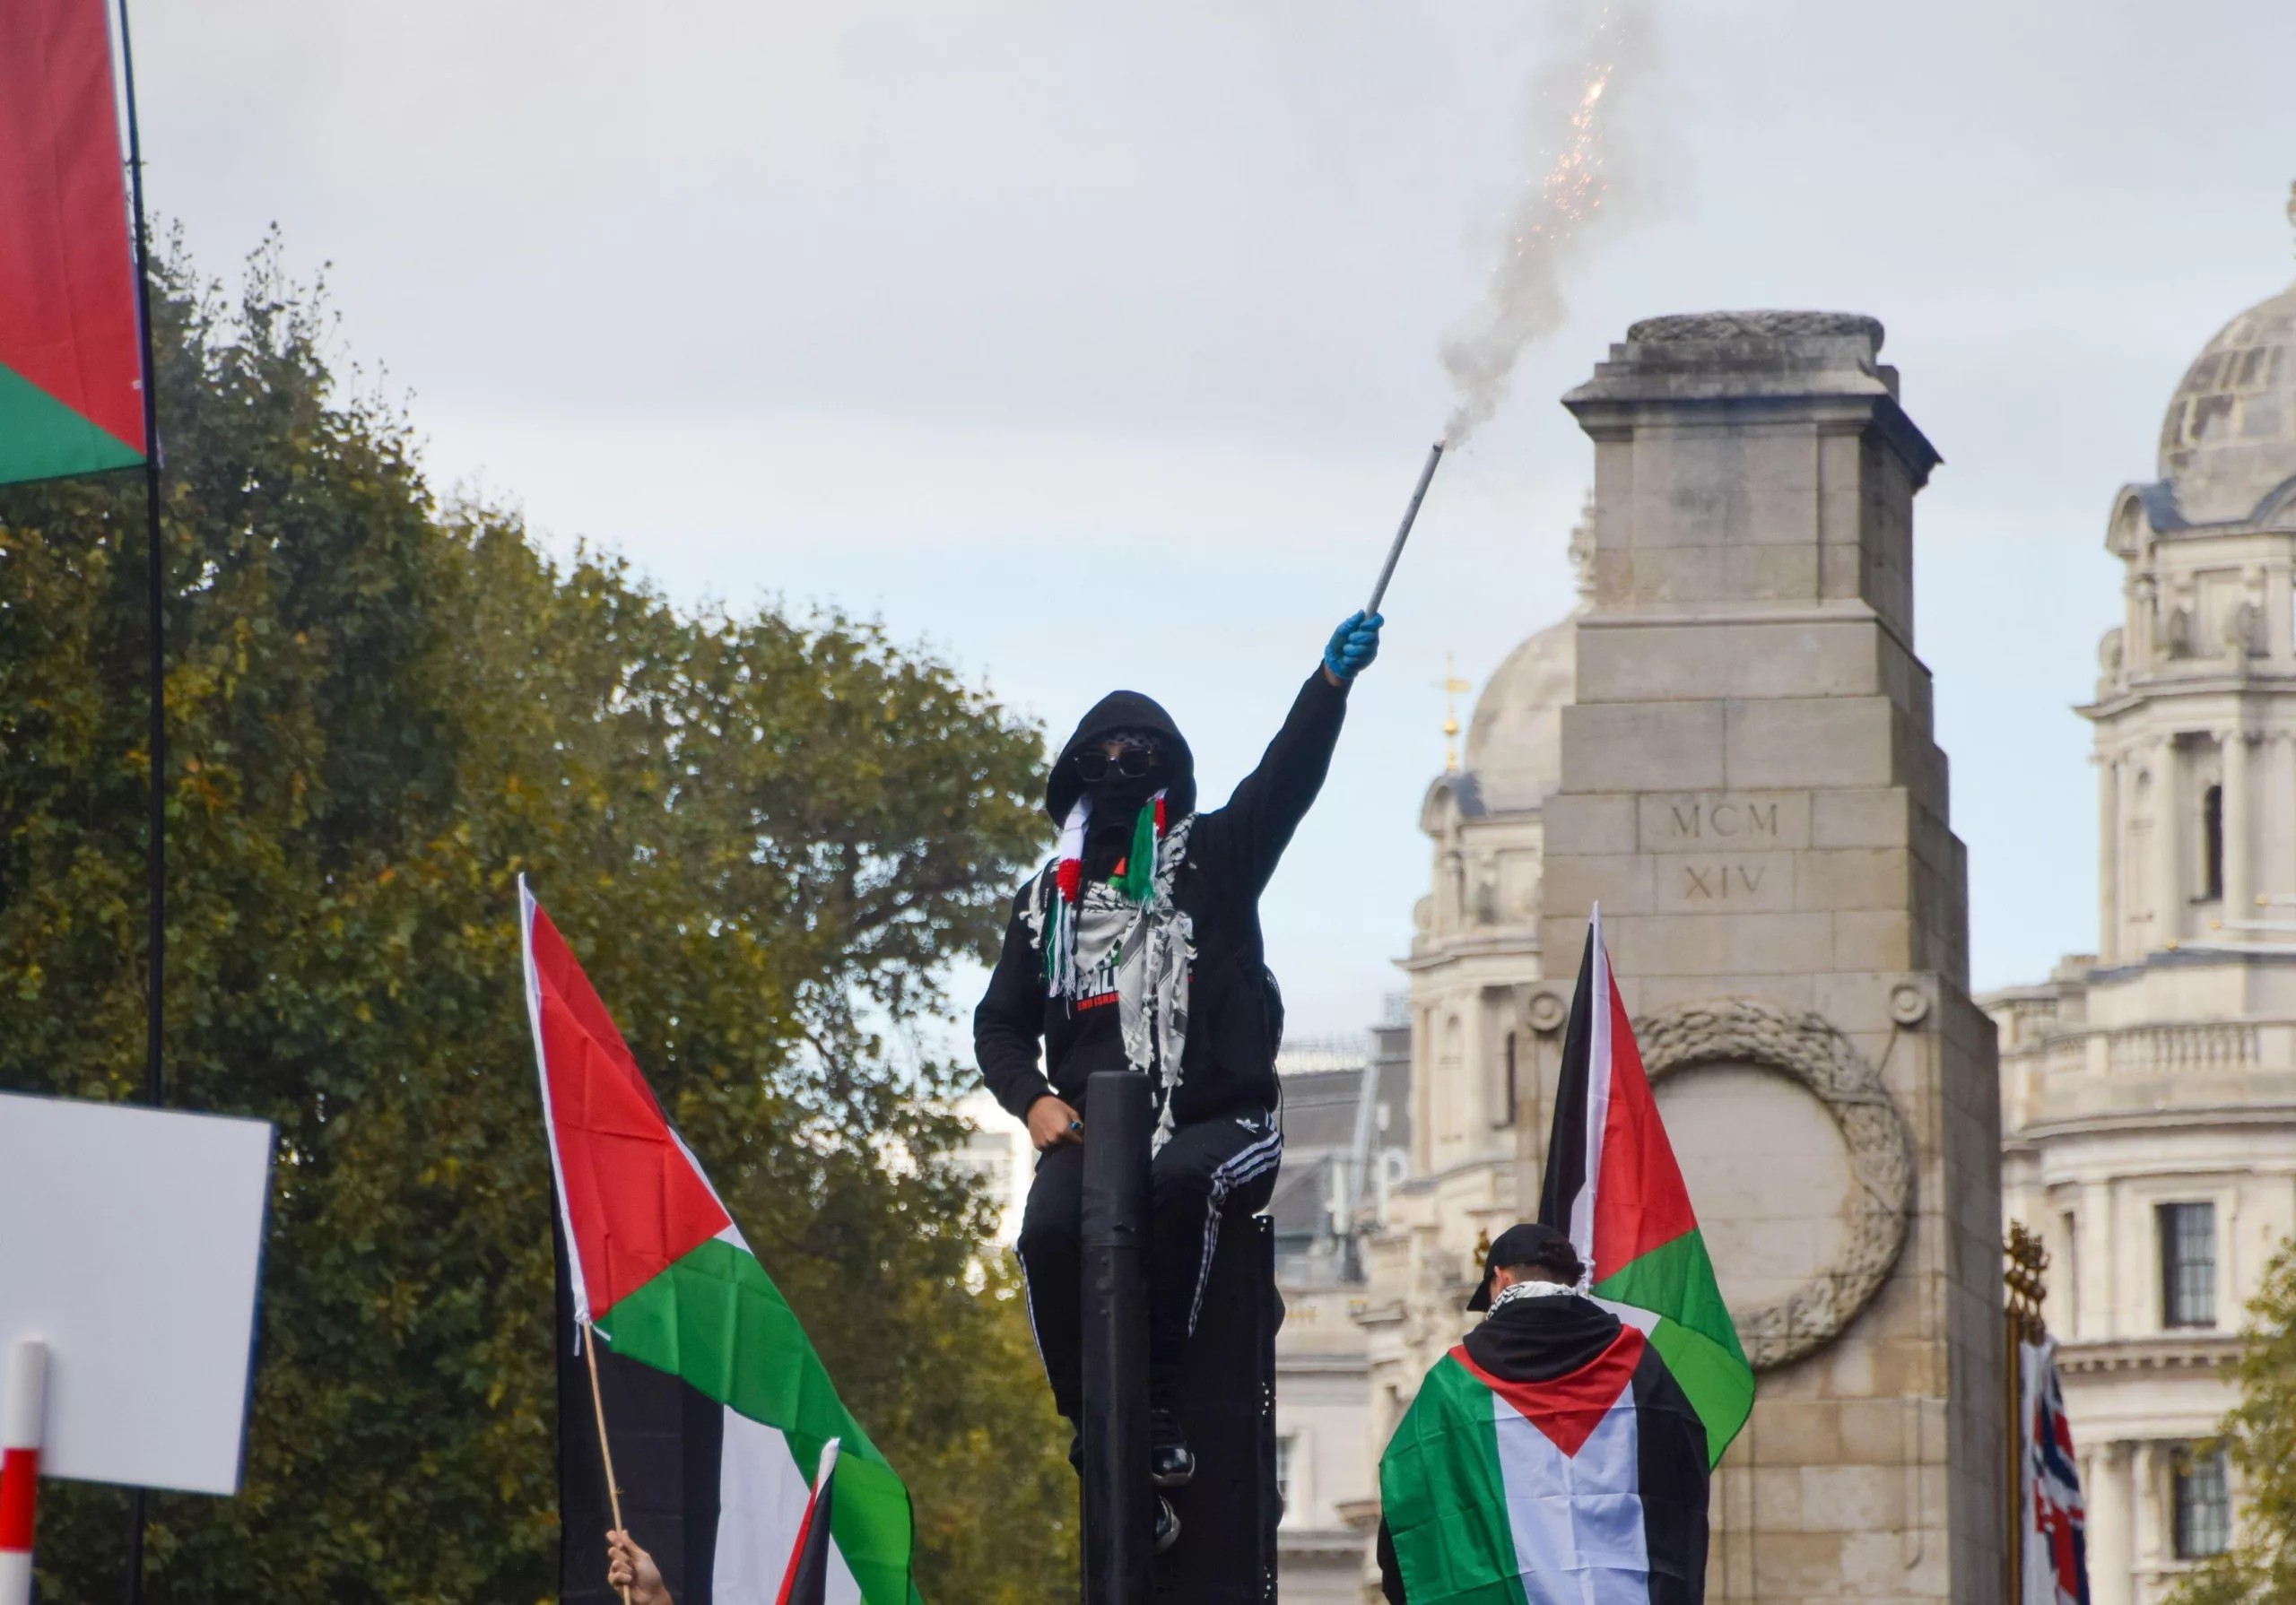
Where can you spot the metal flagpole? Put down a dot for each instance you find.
(155, 865)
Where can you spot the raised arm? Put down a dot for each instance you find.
(1271, 801)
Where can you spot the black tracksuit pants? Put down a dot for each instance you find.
(1207, 1171)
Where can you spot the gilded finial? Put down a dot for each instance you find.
(1451, 685)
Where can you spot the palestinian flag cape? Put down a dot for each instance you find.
(71, 349)
(1612, 1182)
(1551, 1458)
(717, 1409)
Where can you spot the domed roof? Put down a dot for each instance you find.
(2230, 437)
(1514, 740)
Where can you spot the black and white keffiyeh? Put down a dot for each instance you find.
(1106, 942)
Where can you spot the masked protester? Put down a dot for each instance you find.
(1139, 947)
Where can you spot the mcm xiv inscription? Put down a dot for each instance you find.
(1695, 819)
(1702, 882)
(1724, 822)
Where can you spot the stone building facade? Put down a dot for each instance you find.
(2149, 1088)
(1728, 745)
(1346, 1110)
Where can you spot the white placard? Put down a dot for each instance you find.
(130, 1242)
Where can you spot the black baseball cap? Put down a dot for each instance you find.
(1529, 1244)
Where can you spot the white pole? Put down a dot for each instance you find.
(23, 1409)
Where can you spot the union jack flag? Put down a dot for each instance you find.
(2055, 1549)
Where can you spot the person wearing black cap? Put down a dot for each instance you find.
(1139, 946)
(1568, 1418)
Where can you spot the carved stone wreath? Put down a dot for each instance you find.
(1807, 1049)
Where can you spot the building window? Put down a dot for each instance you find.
(1506, 1091)
(1285, 1446)
(2212, 845)
(2188, 1264)
(2204, 1505)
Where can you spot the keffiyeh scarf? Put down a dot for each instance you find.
(1123, 937)
(1515, 1292)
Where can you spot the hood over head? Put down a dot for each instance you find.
(1125, 710)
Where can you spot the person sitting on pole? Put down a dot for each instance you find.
(1139, 947)
(1551, 1455)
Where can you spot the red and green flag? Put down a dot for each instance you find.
(718, 1412)
(1612, 1183)
(71, 348)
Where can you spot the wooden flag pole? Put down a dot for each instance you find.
(606, 1453)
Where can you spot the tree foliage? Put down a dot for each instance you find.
(2259, 1441)
(765, 837)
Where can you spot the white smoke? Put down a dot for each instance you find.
(1577, 106)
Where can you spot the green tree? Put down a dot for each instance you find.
(2260, 1440)
(766, 837)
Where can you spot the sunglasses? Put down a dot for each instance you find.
(1131, 762)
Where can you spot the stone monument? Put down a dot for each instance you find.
(1749, 785)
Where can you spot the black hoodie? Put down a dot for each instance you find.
(1230, 1060)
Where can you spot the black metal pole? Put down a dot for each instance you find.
(1120, 1521)
(1402, 533)
(155, 854)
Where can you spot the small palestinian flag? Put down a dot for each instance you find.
(1548, 1459)
(71, 349)
(806, 1582)
(1612, 1184)
(717, 1411)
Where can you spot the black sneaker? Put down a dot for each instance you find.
(1168, 1525)
(1171, 1463)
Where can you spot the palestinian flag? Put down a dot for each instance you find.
(806, 1582)
(1551, 1458)
(71, 349)
(1612, 1184)
(718, 1410)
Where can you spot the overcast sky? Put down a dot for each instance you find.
(1096, 348)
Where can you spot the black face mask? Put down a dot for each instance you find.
(1117, 798)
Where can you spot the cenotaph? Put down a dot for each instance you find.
(1749, 787)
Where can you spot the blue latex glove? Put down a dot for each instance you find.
(1353, 644)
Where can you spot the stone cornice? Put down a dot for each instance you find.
(2149, 1119)
(2194, 1352)
(1617, 401)
(1390, 1313)
(1323, 1364)
(1725, 614)
(2158, 687)
(1333, 1543)
(1481, 947)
